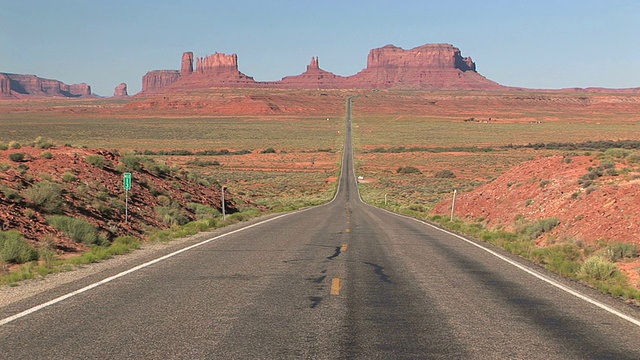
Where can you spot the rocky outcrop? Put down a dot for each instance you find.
(314, 78)
(81, 89)
(431, 66)
(31, 85)
(157, 79)
(218, 63)
(430, 56)
(216, 70)
(120, 91)
(5, 86)
(187, 63)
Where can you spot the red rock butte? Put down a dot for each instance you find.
(18, 85)
(431, 66)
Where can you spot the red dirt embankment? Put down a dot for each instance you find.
(92, 193)
(551, 187)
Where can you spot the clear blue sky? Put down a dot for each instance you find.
(536, 44)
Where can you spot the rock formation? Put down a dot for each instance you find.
(81, 89)
(218, 63)
(5, 85)
(314, 78)
(120, 91)
(30, 85)
(431, 66)
(430, 56)
(157, 79)
(187, 63)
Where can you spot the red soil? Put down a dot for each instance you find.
(81, 195)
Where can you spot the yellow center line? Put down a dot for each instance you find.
(344, 248)
(335, 286)
(347, 230)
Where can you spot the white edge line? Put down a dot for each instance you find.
(142, 266)
(514, 263)
(529, 271)
(134, 269)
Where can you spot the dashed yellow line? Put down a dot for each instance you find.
(335, 286)
(344, 248)
(347, 230)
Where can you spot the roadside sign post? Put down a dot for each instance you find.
(453, 204)
(222, 205)
(126, 180)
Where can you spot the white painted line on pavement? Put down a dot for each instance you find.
(134, 269)
(539, 276)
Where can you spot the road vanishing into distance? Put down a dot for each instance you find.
(340, 281)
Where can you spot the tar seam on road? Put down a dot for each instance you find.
(134, 269)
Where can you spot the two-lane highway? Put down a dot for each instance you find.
(342, 280)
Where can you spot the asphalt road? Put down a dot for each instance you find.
(339, 281)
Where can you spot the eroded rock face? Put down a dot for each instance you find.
(5, 85)
(313, 78)
(121, 91)
(30, 85)
(431, 66)
(81, 89)
(218, 63)
(430, 56)
(157, 79)
(186, 67)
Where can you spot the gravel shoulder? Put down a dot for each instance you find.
(147, 252)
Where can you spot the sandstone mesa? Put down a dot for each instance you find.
(19, 85)
(430, 66)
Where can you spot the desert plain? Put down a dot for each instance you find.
(550, 175)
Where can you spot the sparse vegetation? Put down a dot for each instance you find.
(95, 160)
(10, 194)
(76, 229)
(45, 196)
(445, 174)
(46, 155)
(620, 251)
(68, 177)
(408, 170)
(172, 215)
(14, 249)
(17, 157)
(203, 163)
(597, 268)
(41, 143)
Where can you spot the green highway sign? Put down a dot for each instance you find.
(127, 181)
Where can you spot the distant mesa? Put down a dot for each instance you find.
(431, 66)
(120, 91)
(18, 86)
